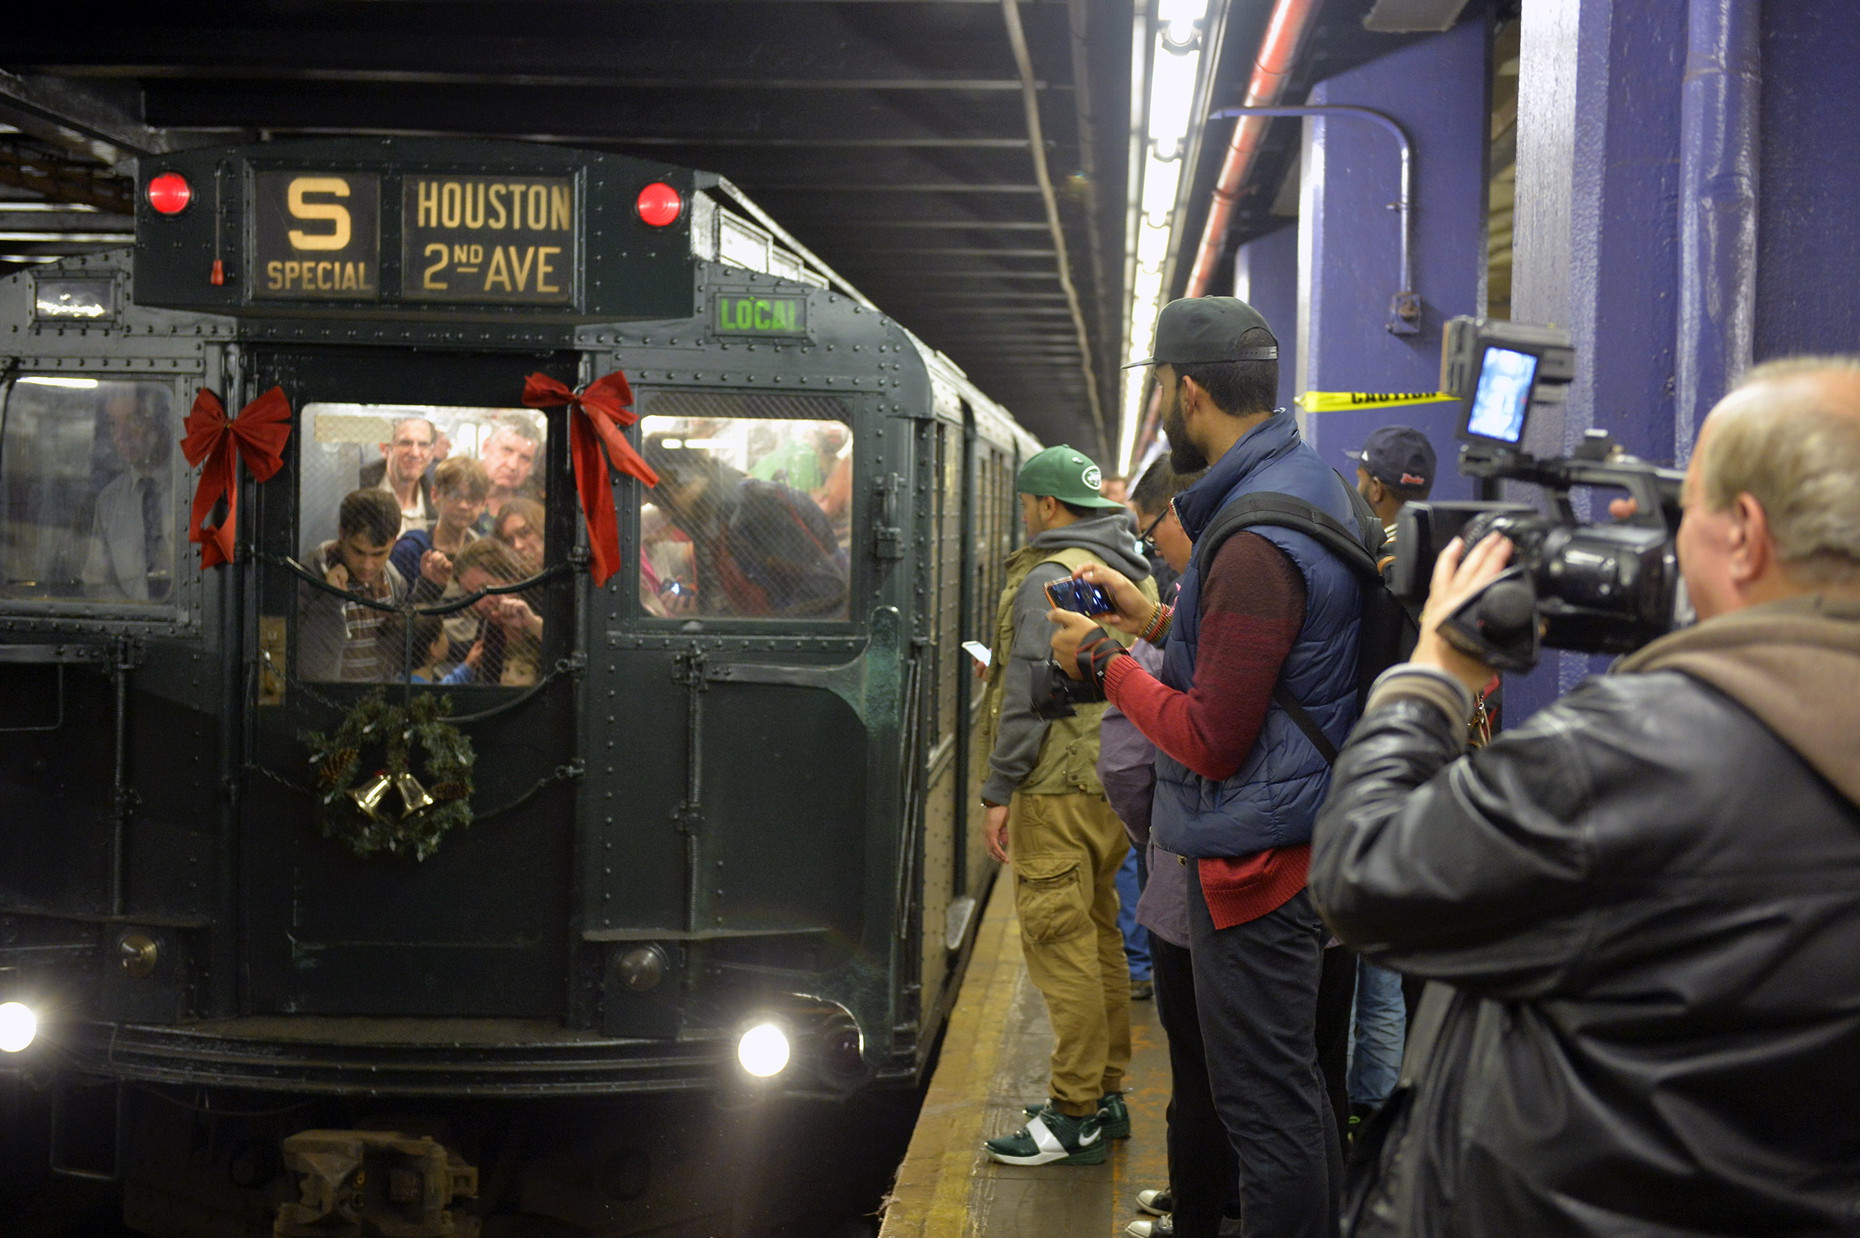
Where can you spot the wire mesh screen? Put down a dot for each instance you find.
(91, 485)
(407, 516)
(752, 514)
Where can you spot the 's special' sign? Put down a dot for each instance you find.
(318, 236)
(488, 238)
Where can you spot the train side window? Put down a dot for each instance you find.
(751, 518)
(424, 505)
(90, 482)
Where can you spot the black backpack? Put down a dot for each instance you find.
(1389, 630)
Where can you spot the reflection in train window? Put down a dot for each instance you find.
(420, 505)
(752, 514)
(90, 482)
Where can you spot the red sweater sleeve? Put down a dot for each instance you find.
(1252, 606)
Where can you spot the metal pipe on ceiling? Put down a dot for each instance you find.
(1030, 103)
(1272, 68)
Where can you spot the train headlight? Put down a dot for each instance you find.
(18, 1026)
(764, 1050)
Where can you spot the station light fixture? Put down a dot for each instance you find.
(764, 1050)
(18, 1026)
(1169, 64)
(659, 205)
(169, 193)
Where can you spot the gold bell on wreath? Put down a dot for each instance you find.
(368, 796)
(413, 796)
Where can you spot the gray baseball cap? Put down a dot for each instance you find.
(1197, 330)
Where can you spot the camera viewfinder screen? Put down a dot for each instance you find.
(1503, 394)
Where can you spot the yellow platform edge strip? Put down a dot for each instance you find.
(931, 1197)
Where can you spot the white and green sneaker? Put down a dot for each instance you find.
(1113, 1114)
(1051, 1138)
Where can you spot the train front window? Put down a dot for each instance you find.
(90, 481)
(751, 518)
(420, 505)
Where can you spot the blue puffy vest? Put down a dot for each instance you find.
(1273, 799)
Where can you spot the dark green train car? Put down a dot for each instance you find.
(731, 786)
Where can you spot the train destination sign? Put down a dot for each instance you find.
(747, 314)
(318, 236)
(475, 239)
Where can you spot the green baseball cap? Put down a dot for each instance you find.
(1064, 473)
(1197, 330)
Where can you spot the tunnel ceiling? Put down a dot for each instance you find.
(889, 136)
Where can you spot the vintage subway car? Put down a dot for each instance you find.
(731, 787)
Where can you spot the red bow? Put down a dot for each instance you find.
(604, 407)
(259, 431)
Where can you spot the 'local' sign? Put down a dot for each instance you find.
(745, 314)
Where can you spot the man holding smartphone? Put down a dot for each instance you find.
(1048, 819)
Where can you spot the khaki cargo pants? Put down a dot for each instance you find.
(1065, 851)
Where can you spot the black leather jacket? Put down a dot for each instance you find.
(1645, 907)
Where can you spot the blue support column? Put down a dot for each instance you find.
(1596, 245)
(1266, 277)
(1808, 216)
(1349, 241)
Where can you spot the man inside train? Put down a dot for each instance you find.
(401, 471)
(131, 553)
(761, 549)
(1272, 621)
(338, 636)
(509, 455)
(1048, 819)
(1642, 906)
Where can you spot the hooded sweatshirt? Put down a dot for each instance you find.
(1795, 664)
(1020, 731)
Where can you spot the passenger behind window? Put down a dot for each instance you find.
(761, 549)
(338, 639)
(520, 527)
(401, 471)
(503, 626)
(131, 550)
(509, 455)
(460, 488)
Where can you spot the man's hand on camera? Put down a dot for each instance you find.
(1133, 609)
(1071, 628)
(1457, 577)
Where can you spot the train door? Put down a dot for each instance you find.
(478, 927)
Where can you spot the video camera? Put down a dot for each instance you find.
(1605, 587)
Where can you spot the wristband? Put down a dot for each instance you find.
(1094, 657)
(1158, 626)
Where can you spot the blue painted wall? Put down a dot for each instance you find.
(1266, 277)
(1349, 238)
(1808, 217)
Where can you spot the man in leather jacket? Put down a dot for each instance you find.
(1643, 905)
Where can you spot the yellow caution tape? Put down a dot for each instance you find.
(1331, 401)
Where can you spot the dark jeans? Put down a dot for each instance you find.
(1256, 990)
(1202, 1172)
(1336, 990)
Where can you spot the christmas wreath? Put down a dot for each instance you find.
(375, 794)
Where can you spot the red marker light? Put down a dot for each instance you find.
(170, 193)
(659, 205)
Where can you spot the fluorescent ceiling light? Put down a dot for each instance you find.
(43, 380)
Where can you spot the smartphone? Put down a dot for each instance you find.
(978, 651)
(1081, 596)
